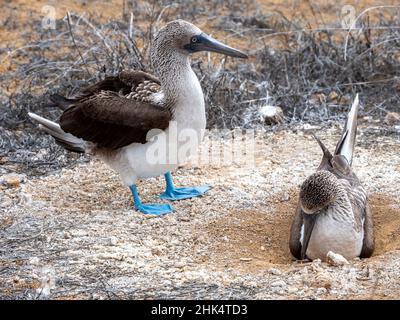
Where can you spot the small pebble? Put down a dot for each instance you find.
(246, 259)
(285, 197)
(274, 271)
(67, 235)
(113, 241)
(321, 291)
(292, 290)
(279, 283)
(335, 259)
(12, 180)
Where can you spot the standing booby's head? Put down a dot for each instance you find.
(180, 38)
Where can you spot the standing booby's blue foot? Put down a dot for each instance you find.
(172, 193)
(156, 209)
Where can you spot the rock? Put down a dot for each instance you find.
(304, 271)
(292, 290)
(67, 235)
(307, 127)
(279, 283)
(246, 259)
(366, 119)
(271, 115)
(6, 202)
(157, 251)
(316, 262)
(285, 197)
(274, 271)
(321, 280)
(34, 261)
(180, 264)
(333, 96)
(26, 199)
(318, 98)
(184, 219)
(112, 241)
(12, 180)
(335, 259)
(321, 290)
(316, 265)
(392, 118)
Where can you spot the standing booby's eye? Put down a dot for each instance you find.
(203, 42)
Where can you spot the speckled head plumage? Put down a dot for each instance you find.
(178, 39)
(318, 191)
(172, 38)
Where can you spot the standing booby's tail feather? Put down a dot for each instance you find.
(345, 146)
(67, 140)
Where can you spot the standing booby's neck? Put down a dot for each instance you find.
(175, 74)
(180, 92)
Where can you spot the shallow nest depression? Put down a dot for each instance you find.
(259, 241)
(74, 234)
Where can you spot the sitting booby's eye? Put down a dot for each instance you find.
(194, 39)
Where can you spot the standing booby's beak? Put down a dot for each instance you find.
(308, 225)
(204, 42)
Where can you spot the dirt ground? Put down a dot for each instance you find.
(74, 234)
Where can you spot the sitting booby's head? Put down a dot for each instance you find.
(318, 191)
(182, 38)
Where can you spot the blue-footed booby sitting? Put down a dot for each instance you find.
(127, 118)
(333, 212)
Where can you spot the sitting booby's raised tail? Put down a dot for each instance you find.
(333, 212)
(130, 118)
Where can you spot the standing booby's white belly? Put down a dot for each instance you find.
(176, 144)
(333, 234)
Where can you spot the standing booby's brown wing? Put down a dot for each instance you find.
(113, 121)
(125, 82)
(114, 112)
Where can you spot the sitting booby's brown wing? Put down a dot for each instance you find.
(115, 112)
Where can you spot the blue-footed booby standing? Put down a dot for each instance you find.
(333, 212)
(116, 118)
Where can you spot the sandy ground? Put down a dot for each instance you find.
(74, 234)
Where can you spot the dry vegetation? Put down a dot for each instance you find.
(69, 231)
(297, 61)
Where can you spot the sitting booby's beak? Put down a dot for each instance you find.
(309, 222)
(204, 42)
